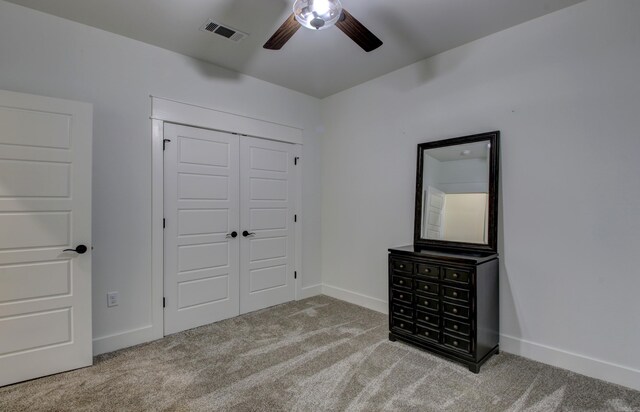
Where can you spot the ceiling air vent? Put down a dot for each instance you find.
(227, 32)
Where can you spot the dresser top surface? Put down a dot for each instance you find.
(473, 258)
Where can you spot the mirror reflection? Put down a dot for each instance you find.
(455, 195)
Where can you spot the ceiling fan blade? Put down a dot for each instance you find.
(357, 32)
(283, 34)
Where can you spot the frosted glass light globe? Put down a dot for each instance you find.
(317, 14)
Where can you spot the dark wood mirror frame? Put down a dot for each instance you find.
(494, 153)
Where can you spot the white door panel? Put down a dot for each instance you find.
(217, 183)
(201, 273)
(434, 212)
(268, 182)
(45, 207)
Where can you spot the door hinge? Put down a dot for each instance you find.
(164, 302)
(164, 223)
(295, 160)
(295, 274)
(164, 143)
(295, 218)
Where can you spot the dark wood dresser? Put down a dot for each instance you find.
(446, 303)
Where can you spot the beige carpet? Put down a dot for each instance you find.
(318, 354)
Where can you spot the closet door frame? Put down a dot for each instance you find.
(172, 111)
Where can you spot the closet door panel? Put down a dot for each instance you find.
(267, 201)
(201, 207)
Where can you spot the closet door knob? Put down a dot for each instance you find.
(233, 234)
(248, 234)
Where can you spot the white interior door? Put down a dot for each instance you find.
(201, 207)
(268, 196)
(45, 207)
(435, 213)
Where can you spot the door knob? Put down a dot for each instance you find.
(233, 234)
(247, 234)
(80, 249)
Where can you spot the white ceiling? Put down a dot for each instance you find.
(316, 63)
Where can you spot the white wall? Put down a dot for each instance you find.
(46, 55)
(464, 176)
(565, 92)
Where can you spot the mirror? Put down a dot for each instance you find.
(456, 196)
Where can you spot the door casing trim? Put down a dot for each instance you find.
(172, 111)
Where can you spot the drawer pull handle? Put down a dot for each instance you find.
(401, 266)
(401, 310)
(426, 334)
(401, 296)
(455, 327)
(426, 303)
(455, 343)
(427, 270)
(455, 276)
(454, 310)
(426, 318)
(455, 294)
(402, 325)
(426, 288)
(401, 282)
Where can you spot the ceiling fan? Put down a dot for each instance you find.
(320, 15)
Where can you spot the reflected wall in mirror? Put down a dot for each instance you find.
(456, 189)
(455, 200)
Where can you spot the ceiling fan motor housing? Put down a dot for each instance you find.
(317, 14)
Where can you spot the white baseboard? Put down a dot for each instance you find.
(310, 291)
(122, 340)
(359, 299)
(581, 364)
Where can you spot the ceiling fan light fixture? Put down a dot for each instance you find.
(317, 14)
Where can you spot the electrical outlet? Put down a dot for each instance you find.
(112, 299)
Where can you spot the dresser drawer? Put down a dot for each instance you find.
(427, 287)
(427, 303)
(401, 282)
(457, 275)
(402, 324)
(427, 333)
(428, 270)
(455, 310)
(456, 343)
(456, 326)
(455, 294)
(402, 311)
(402, 266)
(402, 296)
(428, 318)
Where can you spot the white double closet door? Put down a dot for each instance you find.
(229, 207)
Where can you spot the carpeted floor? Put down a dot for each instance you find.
(319, 354)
